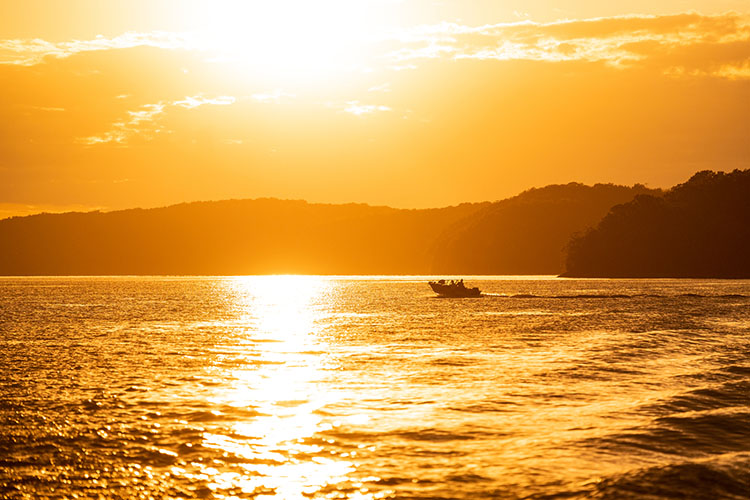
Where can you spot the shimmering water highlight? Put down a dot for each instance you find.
(313, 387)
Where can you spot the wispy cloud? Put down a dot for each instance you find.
(51, 109)
(27, 52)
(273, 96)
(735, 71)
(617, 41)
(620, 42)
(358, 109)
(122, 130)
(143, 121)
(195, 101)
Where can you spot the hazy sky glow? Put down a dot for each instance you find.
(410, 103)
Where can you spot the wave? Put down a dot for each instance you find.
(454, 361)
(738, 369)
(428, 434)
(720, 428)
(704, 480)
(574, 296)
(617, 296)
(729, 395)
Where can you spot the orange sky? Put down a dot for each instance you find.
(404, 103)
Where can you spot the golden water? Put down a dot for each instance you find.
(295, 387)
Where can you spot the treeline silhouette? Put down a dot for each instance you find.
(521, 235)
(527, 234)
(698, 229)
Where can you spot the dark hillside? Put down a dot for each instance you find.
(699, 229)
(225, 238)
(521, 235)
(527, 234)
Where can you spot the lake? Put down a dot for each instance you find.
(300, 387)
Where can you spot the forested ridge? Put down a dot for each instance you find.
(698, 229)
(525, 234)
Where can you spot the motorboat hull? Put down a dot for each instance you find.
(455, 291)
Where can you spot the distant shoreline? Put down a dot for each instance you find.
(425, 277)
(697, 230)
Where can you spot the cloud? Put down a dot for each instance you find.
(618, 41)
(122, 130)
(273, 96)
(195, 101)
(28, 52)
(51, 109)
(461, 112)
(735, 72)
(358, 109)
(142, 122)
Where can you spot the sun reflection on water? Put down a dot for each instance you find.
(278, 378)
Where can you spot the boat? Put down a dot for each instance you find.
(453, 288)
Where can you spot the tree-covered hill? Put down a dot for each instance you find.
(698, 229)
(525, 234)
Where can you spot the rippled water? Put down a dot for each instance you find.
(358, 388)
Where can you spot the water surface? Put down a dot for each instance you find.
(358, 388)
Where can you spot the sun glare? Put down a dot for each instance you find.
(290, 40)
(279, 379)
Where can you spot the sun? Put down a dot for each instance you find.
(292, 40)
